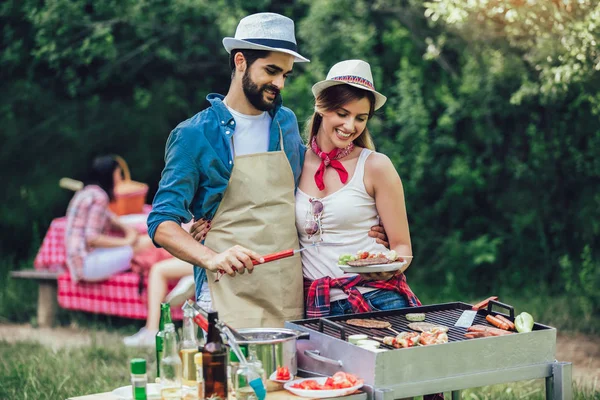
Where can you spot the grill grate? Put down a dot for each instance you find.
(442, 314)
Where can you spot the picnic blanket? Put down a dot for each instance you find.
(120, 295)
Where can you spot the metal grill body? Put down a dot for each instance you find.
(461, 363)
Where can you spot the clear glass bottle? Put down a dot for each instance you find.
(245, 374)
(170, 366)
(234, 363)
(139, 379)
(189, 348)
(165, 318)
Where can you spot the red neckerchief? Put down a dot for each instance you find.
(330, 159)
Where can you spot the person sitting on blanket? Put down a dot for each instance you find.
(160, 274)
(93, 255)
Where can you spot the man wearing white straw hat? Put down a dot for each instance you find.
(237, 165)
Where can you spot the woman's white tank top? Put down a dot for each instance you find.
(348, 215)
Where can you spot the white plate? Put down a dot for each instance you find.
(319, 394)
(124, 392)
(373, 268)
(274, 375)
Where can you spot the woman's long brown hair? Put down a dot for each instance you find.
(335, 97)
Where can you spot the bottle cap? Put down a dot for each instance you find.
(138, 366)
(233, 357)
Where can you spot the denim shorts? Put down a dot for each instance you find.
(379, 300)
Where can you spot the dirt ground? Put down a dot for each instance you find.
(582, 350)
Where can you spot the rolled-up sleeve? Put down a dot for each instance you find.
(178, 184)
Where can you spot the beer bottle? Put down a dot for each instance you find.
(165, 318)
(189, 347)
(214, 362)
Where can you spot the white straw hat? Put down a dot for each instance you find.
(265, 31)
(355, 73)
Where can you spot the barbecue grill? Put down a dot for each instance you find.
(459, 364)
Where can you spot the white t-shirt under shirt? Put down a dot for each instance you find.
(251, 133)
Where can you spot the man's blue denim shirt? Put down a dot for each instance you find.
(198, 164)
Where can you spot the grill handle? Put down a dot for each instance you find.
(510, 309)
(316, 355)
(332, 325)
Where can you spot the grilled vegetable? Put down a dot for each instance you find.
(344, 258)
(415, 317)
(497, 323)
(524, 322)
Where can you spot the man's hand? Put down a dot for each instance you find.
(378, 232)
(234, 260)
(199, 229)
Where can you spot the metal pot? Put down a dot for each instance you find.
(274, 347)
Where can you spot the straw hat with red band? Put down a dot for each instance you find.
(355, 73)
(265, 31)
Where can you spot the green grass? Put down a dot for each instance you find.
(32, 371)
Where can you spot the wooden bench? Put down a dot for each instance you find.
(47, 304)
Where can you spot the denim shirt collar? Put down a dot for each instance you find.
(225, 117)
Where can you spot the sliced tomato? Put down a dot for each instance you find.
(362, 255)
(282, 374)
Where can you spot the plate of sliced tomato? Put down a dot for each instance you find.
(281, 375)
(340, 384)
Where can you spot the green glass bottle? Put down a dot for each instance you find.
(165, 318)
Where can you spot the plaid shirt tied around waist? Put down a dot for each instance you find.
(317, 293)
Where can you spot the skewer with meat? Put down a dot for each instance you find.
(434, 336)
(403, 340)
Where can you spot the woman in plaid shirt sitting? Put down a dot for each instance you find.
(93, 255)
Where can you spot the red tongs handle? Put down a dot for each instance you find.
(267, 258)
(484, 303)
(276, 256)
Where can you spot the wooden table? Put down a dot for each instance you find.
(278, 395)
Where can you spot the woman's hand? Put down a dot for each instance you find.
(378, 232)
(131, 235)
(199, 229)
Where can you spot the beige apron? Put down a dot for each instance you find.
(257, 212)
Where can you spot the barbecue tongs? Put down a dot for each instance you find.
(282, 254)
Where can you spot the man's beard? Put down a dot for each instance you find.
(255, 95)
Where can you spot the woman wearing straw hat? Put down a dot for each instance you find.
(344, 188)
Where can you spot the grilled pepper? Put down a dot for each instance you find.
(524, 322)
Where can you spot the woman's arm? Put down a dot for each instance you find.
(383, 183)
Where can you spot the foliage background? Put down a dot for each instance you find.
(492, 120)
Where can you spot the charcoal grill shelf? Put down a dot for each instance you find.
(459, 364)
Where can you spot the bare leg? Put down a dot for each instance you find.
(160, 274)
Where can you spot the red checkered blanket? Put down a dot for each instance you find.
(118, 296)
